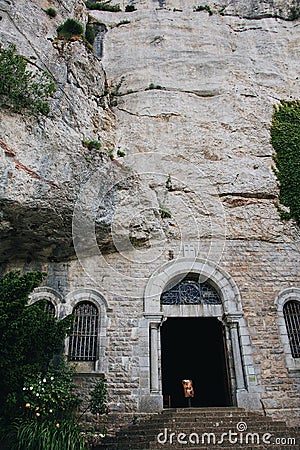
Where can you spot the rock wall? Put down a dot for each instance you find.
(183, 101)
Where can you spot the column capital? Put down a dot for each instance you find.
(154, 318)
(232, 319)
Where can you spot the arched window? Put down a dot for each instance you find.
(48, 307)
(83, 341)
(191, 291)
(291, 312)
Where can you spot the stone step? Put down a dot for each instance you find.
(170, 423)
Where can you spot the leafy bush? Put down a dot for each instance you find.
(105, 6)
(294, 13)
(98, 400)
(92, 145)
(90, 33)
(50, 395)
(165, 213)
(30, 337)
(69, 29)
(51, 12)
(21, 88)
(153, 86)
(130, 8)
(285, 138)
(203, 8)
(120, 153)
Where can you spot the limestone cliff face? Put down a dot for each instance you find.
(191, 94)
(43, 161)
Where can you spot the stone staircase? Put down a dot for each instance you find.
(205, 428)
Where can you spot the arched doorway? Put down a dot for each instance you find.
(222, 303)
(194, 348)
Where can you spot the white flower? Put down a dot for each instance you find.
(37, 394)
(52, 378)
(31, 388)
(24, 388)
(44, 380)
(50, 410)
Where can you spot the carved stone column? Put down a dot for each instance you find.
(237, 357)
(154, 382)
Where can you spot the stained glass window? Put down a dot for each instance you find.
(191, 292)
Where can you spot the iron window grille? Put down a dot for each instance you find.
(83, 341)
(190, 292)
(291, 312)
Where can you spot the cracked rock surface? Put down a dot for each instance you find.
(191, 94)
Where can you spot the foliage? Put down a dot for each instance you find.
(92, 145)
(69, 28)
(21, 88)
(30, 337)
(130, 8)
(90, 33)
(98, 398)
(153, 86)
(285, 138)
(203, 8)
(50, 395)
(103, 6)
(165, 213)
(111, 155)
(294, 13)
(120, 153)
(36, 434)
(51, 12)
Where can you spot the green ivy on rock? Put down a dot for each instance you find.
(285, 138)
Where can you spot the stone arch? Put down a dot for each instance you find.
(51, 295)
(291, 293)
(245, 389)
(172, 271)
(95, 297)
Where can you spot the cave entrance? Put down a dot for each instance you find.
(195, 348)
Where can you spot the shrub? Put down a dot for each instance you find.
(120, 153)
(51, 12)
(164, 213)
(203, 8)
(103, 6)
(22, 88)
(69, 29)
(153, 86)
(90, 33)
(50, 395)
(294, 13)
(92, 145)
(98, 398)
(30, 337)
(285, 138)
(130, 8)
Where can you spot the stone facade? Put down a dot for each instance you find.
(188, 97)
